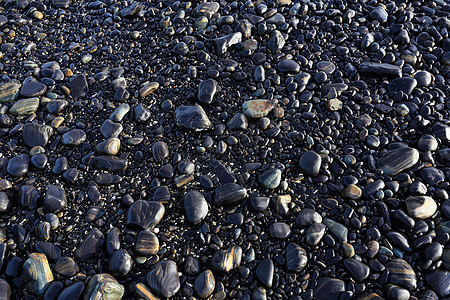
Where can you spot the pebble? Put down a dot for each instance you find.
(288, 66)
(328, 289)
(91, 244)
(229, 194)
(258, 108)
(33, 89)
(310, 163)
(227, 259)
(296, 257)
(280, 230)
(338, 229)
(66, 266)
(315, 233)
(164, 279)
(270, 179)
(192, 117)
(55, 199)
(79, 86)
(206, 91)
(104, 286)
(404, 84)
(401, 273)
(264, 272)
(37, 273)
(398, 160)
(204, 284)
(160, 150)
(440, 282)
(18, 165)
(357, 269)
(147, 243)
(120, 264)
(74, 137)
(145, 214)
(25, 107)
(196, 207)
(421, 207)
(308, 216)
(9, 91)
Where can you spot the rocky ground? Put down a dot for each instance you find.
(224, 150)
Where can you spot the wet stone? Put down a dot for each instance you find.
(440, 282)
(379, 70)
(192, 117)
(37, 273)
(277, 42)
(421, 207)
(120, 264)
(288, 66)
(91, 244)
(432, 176)
(229, 194)
(338, 229)
(145, 214)
(204, 284)
(357, 269)
(404, 84)
(55, 199)
(401, 273)
(428, 143)
(160, 150)
(164, 279)
(222, 44)
(326, 66)
(264, 272)
(396, 292)
(315, 233)
(94, 213)
(109, 147)
(259, 203)
(280, 230)
(141, 113)
(109, 129)
(328, 289)
(147, 243)
(206, 91)
(379, 14)
(74, 137)
(424, 78)
(66, 266)
(196, 207)
(9, 91)
(79, 86)
(308, 216)
(310, 163)
(104, 286)
(35, 134)
(108, 179)
(25, 107)
(144, 292)
(5, 289)
(148, 89)
(258, 108)
(33, 89)
(270, 179)
(18, 165)
(228, 259)
(296, 258)
(398, 160)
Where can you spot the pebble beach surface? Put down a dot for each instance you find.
(259, 150)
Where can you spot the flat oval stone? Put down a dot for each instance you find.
(432, 176)
(35, 134)
(229, 193)
(109, 147)
(192, 117)
(145, 214)
(196, 207)
(104, 286)
(428, 143)
(148, 88)
(91, 244)
(326, 66)
(401, 273)
(264, 272)
(204, 284)
(66, 266)
(74, 137)
(18, 165)
(328, 289)
(160, 150)
(424, 78)
(206, 91)
(421, 207)
(33, 89)
(25, 107)
(120, 264)
(280, 230)
(37, 273)
(310, 163)
(379, 14)
(357, 269)
(228, 259)
(51, 251)
(164, 279)
(5, 289)
(166, 171)
(270, 179)
(288, 66)
(404, 84)
(398, 160)
(143, 292)
(258, 108)
(147, 243)
(296, 258)
(308, 216)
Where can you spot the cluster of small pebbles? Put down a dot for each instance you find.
(223, 149)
